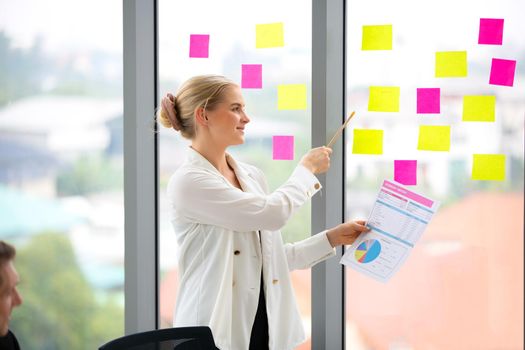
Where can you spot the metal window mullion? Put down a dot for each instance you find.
(327, 210)
(140, 180)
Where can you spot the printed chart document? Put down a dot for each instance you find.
(397, 221)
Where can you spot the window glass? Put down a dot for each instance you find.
(231, 26)
(61, 171)
(462, 285)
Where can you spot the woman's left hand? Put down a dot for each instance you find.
(346, 233)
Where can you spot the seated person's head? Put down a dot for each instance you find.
(9, 296)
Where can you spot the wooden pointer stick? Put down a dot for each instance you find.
(338, 132)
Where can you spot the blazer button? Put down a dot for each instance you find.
(275, 281)
(317, 186)
(237, 252)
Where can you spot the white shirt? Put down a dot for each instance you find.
(217, 227)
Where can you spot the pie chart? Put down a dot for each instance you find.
(368, 251)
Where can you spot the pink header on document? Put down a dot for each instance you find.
(391, 194)
(409, 194)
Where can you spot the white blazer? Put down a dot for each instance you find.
(217, 228)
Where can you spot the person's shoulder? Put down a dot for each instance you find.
(9, 342)
(189, 176)
(15, 341)
(189, 172)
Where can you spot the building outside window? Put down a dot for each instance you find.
(61, 169)
(462, 286)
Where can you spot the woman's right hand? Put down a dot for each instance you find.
(317, 160)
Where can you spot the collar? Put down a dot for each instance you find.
(242, 173)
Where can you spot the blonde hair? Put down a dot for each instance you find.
(200, 91)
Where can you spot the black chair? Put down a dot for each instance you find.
(181, 338)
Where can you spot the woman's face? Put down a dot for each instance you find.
(227, 120)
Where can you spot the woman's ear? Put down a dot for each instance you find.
(201, 117)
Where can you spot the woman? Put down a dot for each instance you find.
(233, 265)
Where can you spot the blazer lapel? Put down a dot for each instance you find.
(247, 181)
(250, 184)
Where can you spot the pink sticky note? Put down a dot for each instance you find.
(283, 147)
(428, 100)
(251, 76)
(405, 172)
(199, 44)
(502, 72)
(490, 31)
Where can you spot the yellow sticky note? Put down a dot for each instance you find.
(291, 96)
(368, 141)
(451, 64)
(479, 108)
(434, 138)
(488, 167)
(377, 37)
(269, 35)
(383, 99)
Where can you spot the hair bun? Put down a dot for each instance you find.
(170, 113)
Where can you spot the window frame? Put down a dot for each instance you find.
(140, 166)
(328, 107)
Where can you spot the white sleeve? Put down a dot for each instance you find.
(206, 198)
(308, 252)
